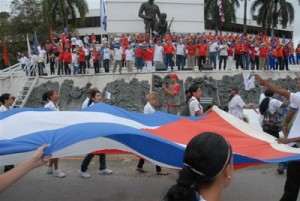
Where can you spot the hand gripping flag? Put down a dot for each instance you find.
(159, 137)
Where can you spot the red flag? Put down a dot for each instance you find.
(5, 53)
(51, 35)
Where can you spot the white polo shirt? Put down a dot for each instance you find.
(235, 106)
(294, 132)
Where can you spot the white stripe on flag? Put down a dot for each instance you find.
(103, 18)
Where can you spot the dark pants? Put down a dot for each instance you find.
(67, 68)
(222, 58)
(279, 63)
(60, 70)
(82, 66)
(273, 133)
(87, 60)
(201, 61)
(169, 61)
(239, 61)
(292, 183)
(106, 65)
(179, 61)
(141, 164)
(86, 161)
(257, 62)
(52, 70)
(96, 66)
(8, 168)
(285, 63)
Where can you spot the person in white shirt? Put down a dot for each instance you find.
(207, 169)
(106, 58)
(85, 103)
(79, 42)
(75, 62)
(33, 61)
(73, 42)
(51, 97)
(292, 184)
(118, 51)
(6, 101)
(213, 53)
(86, 49)
(158, 56)
(24, 61)
(96, 97)
(129, 54)
(180, 53)
(194, 105)
(236, 104)
(149, 108)
(223, 52)
(86, 39)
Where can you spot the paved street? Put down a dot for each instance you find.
(126, 184)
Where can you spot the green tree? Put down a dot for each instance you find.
(273, 12)
(63, 10)
(211, 11)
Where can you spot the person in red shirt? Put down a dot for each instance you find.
(173, 95)
(191, 52)
(60, 70)
(96, 56)
(169, 50)
(67, 60)
(263, 57)
(81, 60)
(246, 58)
(252, 56)
(285, 52)
(149, 54)
(238, 54)
(279, 57)
(139, 57)
(93, 38)
(202, 54)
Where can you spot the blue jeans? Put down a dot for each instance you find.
(297, 58)
(106, 65)
(139, 63)
(179, 61)
(169, 61)
(40, 68)
(271, 62)
(213, 58)
(75, 69)
(246, 60)
(292, 59)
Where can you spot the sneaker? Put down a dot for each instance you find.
(105, 171)
(49, 170)
(83, 174)
(58, 173)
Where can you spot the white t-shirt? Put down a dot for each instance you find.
(213, 47)
(223, 50)
(149, 109)
(73, 40)
(235, 106)
(85, 103)
(158, 53)
(107, 53)
(129, 55)
(33, 59)
(118, 54)
(79, 43)
(180, 49)
(194, 106)
(294, 132)
(51, 106)
(24, 60)
(3, 108)
(75, 59)
(42, 53)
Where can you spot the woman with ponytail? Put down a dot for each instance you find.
(51, 97)
(207, 170)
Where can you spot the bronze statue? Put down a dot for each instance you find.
(161, 26)
(151, 11)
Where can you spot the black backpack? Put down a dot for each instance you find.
(186, 110)
(271, 122)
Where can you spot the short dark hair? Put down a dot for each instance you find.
(47, 95)
(4, 97)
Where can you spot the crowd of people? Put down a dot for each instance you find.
(72, 54)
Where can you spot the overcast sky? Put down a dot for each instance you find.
(95, 4)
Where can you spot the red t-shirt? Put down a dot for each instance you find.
(175, 89)
(96, 55)
(191, 50)
(149, 54)
(238, 49)
(139, 53)
(93, 38)
(202, 50)
(169, 49)
(246, 48)
(230, 51)
(81, 56)
(61, 56)
(262, 52)
(67, 57)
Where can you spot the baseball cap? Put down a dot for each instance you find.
(173, 76)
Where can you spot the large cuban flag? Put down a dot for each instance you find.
(159, 137)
